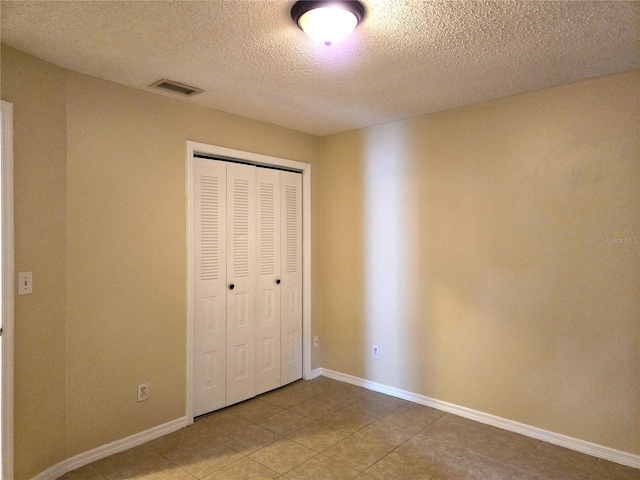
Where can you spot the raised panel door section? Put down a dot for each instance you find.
(291, 277)
(267, 286)
(241, 282)
(209, 285)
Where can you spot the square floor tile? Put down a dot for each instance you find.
(311, 388)
(284, 423)
(348, 420)
(318, 436)
(357, 452)
(249, 439)
(285, 397)
(283, 455)
(437, 449)
(203, 460)
(243, 469)
(398, 467)
(88, 472)
(321, 467)
(556, 463)
(254, 410)
(377, 404)
(219, 424)
(471, 466)
(341, 397)
(390, 431)
(185, 436)
(314, 409)
(605, 470)
(454, 430)
(418, 415)
(133, 463)
(507, 447)
(172, 472)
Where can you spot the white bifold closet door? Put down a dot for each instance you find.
(268, 281)
(209, 284)
(279, 279)
(248, 281)
(241, 280)
(291, 275)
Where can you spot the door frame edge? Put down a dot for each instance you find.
(8, 291)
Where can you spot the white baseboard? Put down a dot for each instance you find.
(103, 451)
(315, 373)
(53, 472)
(578, 445)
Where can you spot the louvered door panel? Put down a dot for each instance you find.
(247, 281)
(268, 273)
(241, 273)
(209, 285)
(291, 277)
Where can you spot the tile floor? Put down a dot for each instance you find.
(325, 429)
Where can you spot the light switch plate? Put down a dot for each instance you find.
(25, 283)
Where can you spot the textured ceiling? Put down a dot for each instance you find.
(407, 58)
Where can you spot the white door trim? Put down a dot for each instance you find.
(7, 290)
(257, 159)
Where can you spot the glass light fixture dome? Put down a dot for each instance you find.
(327, 22)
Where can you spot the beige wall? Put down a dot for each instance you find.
(470, 246)
(37, 92)
(126, 262)
(100, 220)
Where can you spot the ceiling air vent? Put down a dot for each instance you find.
(176, 87)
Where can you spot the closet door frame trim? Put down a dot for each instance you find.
(194, 148)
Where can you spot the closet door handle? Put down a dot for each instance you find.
(278, 281)
(232, 286)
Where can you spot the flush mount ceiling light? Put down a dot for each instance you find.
(327, 22)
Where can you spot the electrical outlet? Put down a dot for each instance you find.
(375, 351)
(143, 392)
(316, 341)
